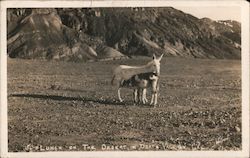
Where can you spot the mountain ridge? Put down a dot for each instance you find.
(76, 34)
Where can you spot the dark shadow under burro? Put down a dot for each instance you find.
(71, 98)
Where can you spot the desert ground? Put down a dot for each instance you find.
(65, 106)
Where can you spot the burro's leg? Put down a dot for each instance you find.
(155, 90)
(119, 94)
(139, 94)
(155, 99)
(144, 96)
(152, 98)
(154, 95)
(136, 95)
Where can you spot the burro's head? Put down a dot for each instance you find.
(155, 65)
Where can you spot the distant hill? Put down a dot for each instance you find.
(84, 34)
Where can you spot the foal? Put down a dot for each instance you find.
(144, 81)
(140, 83)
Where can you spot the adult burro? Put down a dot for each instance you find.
(124, 74)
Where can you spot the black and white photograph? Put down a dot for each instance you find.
(124, 78)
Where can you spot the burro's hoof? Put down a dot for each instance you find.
(154, 105)
(145, 102)
(136, 101)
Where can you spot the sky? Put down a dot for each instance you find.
(214, 13)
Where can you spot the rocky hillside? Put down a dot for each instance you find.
(113, 33)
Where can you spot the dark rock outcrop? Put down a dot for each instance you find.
(41, 35)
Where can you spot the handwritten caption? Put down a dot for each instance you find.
(103, 147)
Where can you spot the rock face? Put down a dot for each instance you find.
(41, 35)
(83, 34)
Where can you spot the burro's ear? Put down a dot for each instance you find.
(160, 57)
(154, 57)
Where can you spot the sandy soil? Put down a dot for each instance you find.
(63, 106)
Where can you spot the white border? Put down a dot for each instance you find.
(118, 3)
(245, 76)
(76, 4)
(3, 86)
